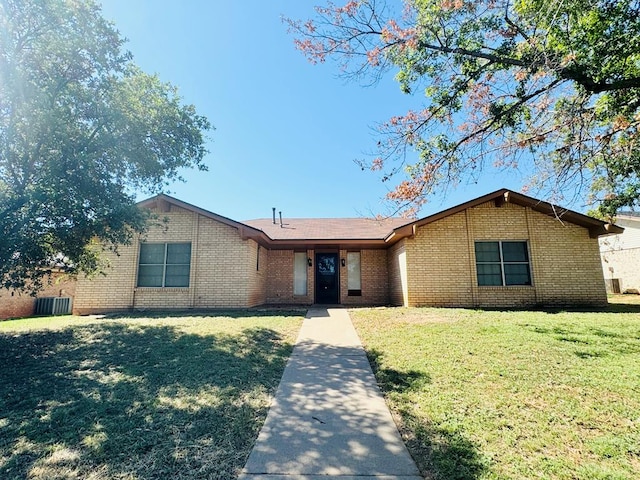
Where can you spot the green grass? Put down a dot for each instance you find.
(137, 398)
(512, 395)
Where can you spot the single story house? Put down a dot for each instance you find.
(503, 249)
(621, 255)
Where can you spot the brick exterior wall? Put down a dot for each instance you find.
(113, 291)
(397, 268)
(434, 267)
(17, 304)
(373, 275)
(438, 269)
(567, 268)
(374, 279)
(280, 279)
(223, 270)
(226, 274)
(258, 261)
(441, 271)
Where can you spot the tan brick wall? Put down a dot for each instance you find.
(223, 270)
(567, 267)
(374, 279)
(226, 273)
(112, 291)
(441, 270)
(438, 268)
(14, 304)
(508, 222)
(181, 226)
(623, 265)
(397, 268)
(258, 259)
(435, 267)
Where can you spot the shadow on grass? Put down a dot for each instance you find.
(217, 312)
(115, 400)
(621, 308)
(610, 308)
(593, 342)
(553, 310)
(391, 380)
(439, 453)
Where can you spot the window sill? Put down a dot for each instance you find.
(162, 289)
(509, 287)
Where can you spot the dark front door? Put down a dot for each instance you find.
(327, 278)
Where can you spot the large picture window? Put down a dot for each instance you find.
(164, 265)
(502, 263)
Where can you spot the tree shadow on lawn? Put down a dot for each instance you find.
(111, 400)
(554, 310)
(212, 312)
(620, 308)
(609, 308)
(438, 452)
(593, 342)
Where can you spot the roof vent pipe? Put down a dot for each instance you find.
(280, 218)
(274, 215)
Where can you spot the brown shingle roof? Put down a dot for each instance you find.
(327, 228)
(370, 233)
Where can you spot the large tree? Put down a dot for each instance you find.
(550, 87)
(81, 129)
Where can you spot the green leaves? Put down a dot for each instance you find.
(81, 129)
(502, 78)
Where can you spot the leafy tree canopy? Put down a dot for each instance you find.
(81, 129)
(550, 87)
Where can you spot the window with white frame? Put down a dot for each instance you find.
(354, 280)
(164, 265)
(503, 263)
(300, 273)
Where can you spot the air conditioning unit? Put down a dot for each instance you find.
(53, 306)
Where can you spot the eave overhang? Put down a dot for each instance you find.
(162, 202)
(501, 197)
(328, 244)
(595, 227)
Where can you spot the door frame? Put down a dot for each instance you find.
(336, 254)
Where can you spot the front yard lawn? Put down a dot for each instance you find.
(138, 398)
(511, 395)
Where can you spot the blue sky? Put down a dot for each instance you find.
(287, 132)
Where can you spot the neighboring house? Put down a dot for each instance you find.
(621, 255)
(15, 304)
(501, 250)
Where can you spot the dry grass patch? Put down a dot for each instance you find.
(629, 299)
(177, 397)
(424, 316)
(513, 394)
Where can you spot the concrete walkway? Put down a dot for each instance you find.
(328, 418)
